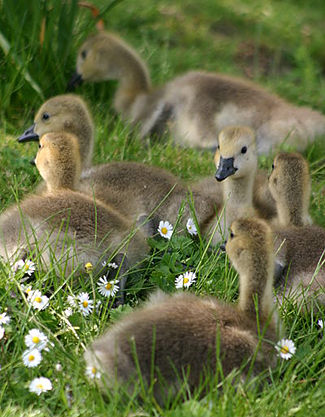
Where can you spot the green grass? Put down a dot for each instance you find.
(278, 44)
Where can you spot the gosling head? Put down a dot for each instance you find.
(289, 184)
(58, 161)
(250, 248)
(64, 113)
(236, 153)
(101, 57)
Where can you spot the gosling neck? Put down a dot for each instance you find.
(238, 195)
(290, 214)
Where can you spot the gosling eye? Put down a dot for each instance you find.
(272, 167)
(231, 234)
(218, 147)
(244, 149)
(45, 116)
(84, 54)
(39, 146)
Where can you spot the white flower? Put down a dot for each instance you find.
(72, 301)
(320, 323)
(98, 306)
(285, 348)
(191, 228)
(2, 332)
(36, 339)
(32, 358)
(165, 229)
(27, 289)
(108, 289)
(39, 301)
(186, 280)
(67, 312)
(28, 267)
(92, 372)
(110, 264)
(4, 319)
(58, 367)
(39, 385)
(85, 305)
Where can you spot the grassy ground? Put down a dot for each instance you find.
(278, 44)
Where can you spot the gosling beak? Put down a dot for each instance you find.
(225, 168)
(223, 246)
(29, 135)
(75, 81)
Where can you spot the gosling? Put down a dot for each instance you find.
(65, 225)
(194, 107)
(170, 333)
(300, 246)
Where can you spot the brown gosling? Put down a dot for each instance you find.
(173, 336)
(64, 224)
(300, 245)
(195, 106)
(65, 113)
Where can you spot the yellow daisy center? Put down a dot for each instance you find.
(28, 290)
(40, 386)
(31, 358)
(38, 299)
(186, 280)
(108, 286)
(85, 303)
(164, 230)
(285, 349)
(26, 267)
(35, 340)
(93, 370)
(1, 317)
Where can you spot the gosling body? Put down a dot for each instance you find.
(170, 333)
(194, 107)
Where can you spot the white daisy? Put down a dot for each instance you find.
(72, 301)
(32, 358)
(110, 264)
(67, 312)
(285, 348)
(85, 305)
(28, 266)
(186, 280)
(92, 372)
(39, 385)
(27, 289)
(36, 339)
(165, 229)
(4, 319)
(320, 323)
(2, 332)
(108, 289)
(191, 228)
(39, 301)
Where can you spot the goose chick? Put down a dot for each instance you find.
(300, 246)
(183, 327)
(195, 107)
(62, 224)
(64, 113)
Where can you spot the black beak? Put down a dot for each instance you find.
(33, 162)
(75, 81)
(223, 246)
(225, 168)
(29, 135)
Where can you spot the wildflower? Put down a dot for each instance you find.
(191, 228)
(28, 267)
(58, 367)
(67, 312)
(110, 264)
(27, 289)
(4, 319)
(72, 301)
(108, 289)
(2, 332)
(32, 358)
(85, 305)
(89, 267)
(320, 323)
(285, 348)
(39, 301)
(36, 339)
(186, 280)
(92, 372)
(165, 229)
(39, 385)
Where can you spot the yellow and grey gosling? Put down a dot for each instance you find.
(170, 333)
(300, 245)
(195, 106)
(63, 225)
